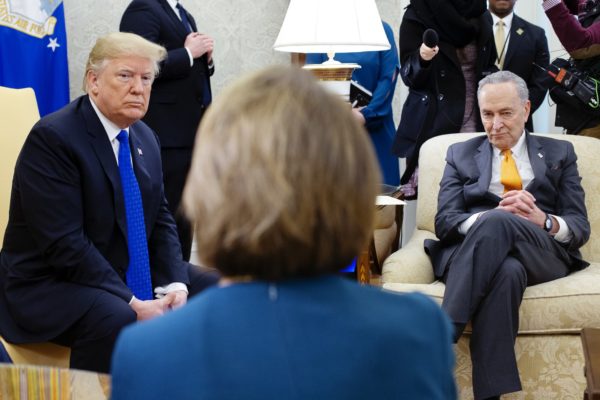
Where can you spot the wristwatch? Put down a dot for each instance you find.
(548, 223)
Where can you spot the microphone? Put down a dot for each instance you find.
(430, 38)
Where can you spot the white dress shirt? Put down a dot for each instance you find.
(507, 25)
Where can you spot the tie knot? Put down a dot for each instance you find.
(506, 153)
(500, 23)
(122, 136)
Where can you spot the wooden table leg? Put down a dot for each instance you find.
(590, 339)
(363, 268)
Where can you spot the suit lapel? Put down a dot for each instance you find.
(106, 156)
(139, 163)
(483, 158)
(515, 39)
(175, 21)
(537, 159)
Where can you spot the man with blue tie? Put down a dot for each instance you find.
(90, 245)
(180, 93)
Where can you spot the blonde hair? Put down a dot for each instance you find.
(283, 179)
(121, 44)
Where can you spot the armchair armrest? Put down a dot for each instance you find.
(410, 264)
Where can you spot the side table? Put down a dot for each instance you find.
(368, 260)
(590, 338)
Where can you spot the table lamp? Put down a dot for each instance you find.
(332, 26)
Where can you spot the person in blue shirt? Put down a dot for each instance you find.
(378, 74)
(280, 224)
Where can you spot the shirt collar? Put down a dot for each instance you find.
(519, 150)
(507, 20)
(173, 4)
(110, 128)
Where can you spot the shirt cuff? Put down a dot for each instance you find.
(468, 223)
(548, 4)
(190, 56)
(161, 291)
(564, 234)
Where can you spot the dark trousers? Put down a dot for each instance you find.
(485, 280)
(93, 336)
(176, 164)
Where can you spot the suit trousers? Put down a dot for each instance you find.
(485, 279)
(176, 164)
(93, 336)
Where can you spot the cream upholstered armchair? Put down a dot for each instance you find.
(18, 113)
(548, 347)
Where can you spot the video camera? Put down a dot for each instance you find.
(589, 13)
(575, 83)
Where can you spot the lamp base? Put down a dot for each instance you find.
(334, 77)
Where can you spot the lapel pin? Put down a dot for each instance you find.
(520, 31)
(540, 155)
(140, 152)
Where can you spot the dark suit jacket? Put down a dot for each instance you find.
(176, 102)
(464, 191)
(294, 339)
(66, 235)
(527, 46)
(436, 99)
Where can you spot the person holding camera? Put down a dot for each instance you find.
(581, 38)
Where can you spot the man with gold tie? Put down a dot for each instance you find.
(511, 214)
(520, 46)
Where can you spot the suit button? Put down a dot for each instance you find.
(443, 73)
(424, 98)
(441, 96)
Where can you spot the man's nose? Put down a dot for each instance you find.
(497, 122)
(137, 85)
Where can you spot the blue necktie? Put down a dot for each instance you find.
(184, 18)
(138, 273)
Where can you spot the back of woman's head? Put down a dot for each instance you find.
(283, 179)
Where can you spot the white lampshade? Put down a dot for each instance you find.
(331, 26)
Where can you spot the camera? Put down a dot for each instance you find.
(575, 83)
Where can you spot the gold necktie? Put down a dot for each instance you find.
(509, 174)
(500, 39)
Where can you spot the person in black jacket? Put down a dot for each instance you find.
(442, 80)
(180, 94)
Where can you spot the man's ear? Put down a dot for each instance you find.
(527, 109)
(92, 82)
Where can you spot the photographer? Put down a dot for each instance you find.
(581, 38)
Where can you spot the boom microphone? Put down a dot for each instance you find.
(430, 38)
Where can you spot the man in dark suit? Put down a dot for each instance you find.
(90, 239)
(520, 45)
(180, 93)
(505, 220)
